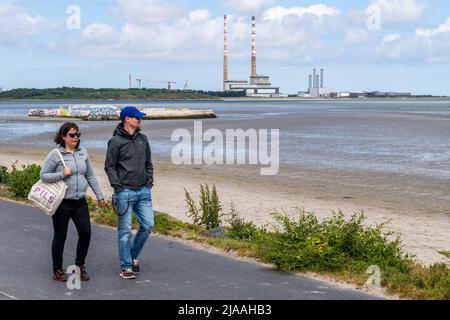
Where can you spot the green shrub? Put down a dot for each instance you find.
(331, 245)
(4, 176)
(193, 211)
(22, 180)
(239, 228)
(210, 211)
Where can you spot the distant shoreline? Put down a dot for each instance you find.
(339, 99)
(111, 95)
(240, 99)
(105, 100)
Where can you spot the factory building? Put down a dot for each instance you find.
(259, 85)
(380, 94)
(316, 88)
(375, 94)
(344, 94)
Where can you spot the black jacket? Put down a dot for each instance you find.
(128, 161)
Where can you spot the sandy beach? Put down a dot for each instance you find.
(423, 223)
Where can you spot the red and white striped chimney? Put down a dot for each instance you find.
(225, 51)
(253, 46)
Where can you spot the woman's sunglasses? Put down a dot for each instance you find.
(73, 135)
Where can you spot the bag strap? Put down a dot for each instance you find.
(61, 157)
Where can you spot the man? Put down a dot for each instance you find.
(130, 171)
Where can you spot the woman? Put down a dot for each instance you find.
(77, 175)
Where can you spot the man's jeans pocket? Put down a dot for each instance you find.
(121, 203)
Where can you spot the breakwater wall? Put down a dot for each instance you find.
(98, 113)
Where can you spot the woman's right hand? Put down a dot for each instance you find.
(67, 172)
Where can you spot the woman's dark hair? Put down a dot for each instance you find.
(62, 132)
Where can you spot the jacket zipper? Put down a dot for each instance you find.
(76, 165)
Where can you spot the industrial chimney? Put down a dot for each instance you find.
(310, 82)
(321, 78)
(314, 79)
(225, 52)
(253, 46)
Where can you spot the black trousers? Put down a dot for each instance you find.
(77, 210)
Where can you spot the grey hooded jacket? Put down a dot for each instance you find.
(128, 161)
(82, 173)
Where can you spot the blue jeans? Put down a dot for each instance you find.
(125, 202)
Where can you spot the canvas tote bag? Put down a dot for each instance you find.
(48, 196)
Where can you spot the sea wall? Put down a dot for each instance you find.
(96, 113)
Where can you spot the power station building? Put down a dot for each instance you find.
(316, 88)
(259, 85)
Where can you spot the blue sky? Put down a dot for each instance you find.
(398, 45)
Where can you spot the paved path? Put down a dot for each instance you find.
(170, 269)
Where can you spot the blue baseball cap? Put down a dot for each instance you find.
(132, 112)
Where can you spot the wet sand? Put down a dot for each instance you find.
(418, 209)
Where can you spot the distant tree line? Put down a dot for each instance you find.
(70, 93)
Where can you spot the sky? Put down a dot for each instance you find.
(385, 45)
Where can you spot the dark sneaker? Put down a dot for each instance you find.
(84, 276)
(136, 269)
(127, 274)
(60, 276)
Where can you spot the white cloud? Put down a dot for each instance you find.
(315, 33)
(357, 36)
(399, 11)
(442, 29)
(197, 36)
(147, 11)
(99, 32)
(16, 26)
(390, 47)
(391, 38)
(193, 36)
(318, 10)
(199, 15)
(249, 6)
(425, 45)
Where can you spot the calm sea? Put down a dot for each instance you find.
(407, 137)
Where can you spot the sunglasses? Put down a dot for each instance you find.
(73, 135)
